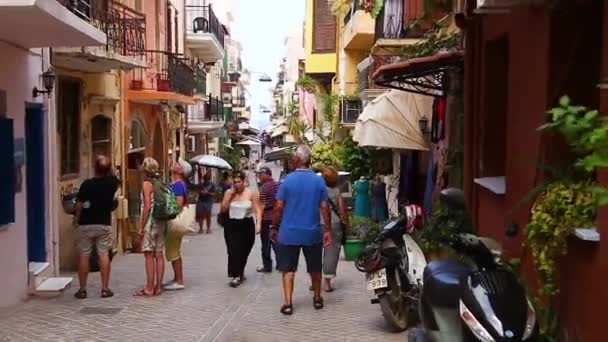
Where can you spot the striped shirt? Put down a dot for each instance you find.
(268, 196)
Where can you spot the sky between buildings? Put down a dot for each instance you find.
(261, 26)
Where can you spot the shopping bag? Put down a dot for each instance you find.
(183, 223)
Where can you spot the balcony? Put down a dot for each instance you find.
(394, 28)
(359, 29)
(350, 111)
(168, 78)
(204, 33)
(51, 23)
(200, 81)
(125, 30)
(206, 116)
(239, 102)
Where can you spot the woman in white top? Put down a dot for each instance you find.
(239, 206)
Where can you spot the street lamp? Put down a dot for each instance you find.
(48, 80)
(423, 123)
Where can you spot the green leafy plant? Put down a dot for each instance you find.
(324, 153)
(561, 208)
(430, 7)
(357, 160)
(374, 7)
(340, 7)
(363, 228)
(435, 41)
(307, 83)
(443, 224)
(231, 155)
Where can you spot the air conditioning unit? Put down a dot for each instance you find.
(191, 144)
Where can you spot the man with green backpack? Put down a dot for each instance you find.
(159, 206)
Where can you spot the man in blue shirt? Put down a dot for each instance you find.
(301, 201)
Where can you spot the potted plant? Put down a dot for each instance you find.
(361, 232)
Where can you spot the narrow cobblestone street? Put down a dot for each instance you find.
(208, 310)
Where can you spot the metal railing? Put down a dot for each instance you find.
(124, 27)
(350, 111)
(203, 19)
(395, 26)
(215, 109)
(166, 71)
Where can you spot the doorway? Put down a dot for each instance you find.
(34, 177)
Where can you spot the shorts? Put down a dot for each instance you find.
(154, 237)
(203, 209)
(96, 235)
(288, 257)
(173, 245)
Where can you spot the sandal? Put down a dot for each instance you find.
(107, 293)
(318, 303)
(287, 309)
(143, 293)
(81, 294)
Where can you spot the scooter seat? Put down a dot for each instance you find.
(442, 280)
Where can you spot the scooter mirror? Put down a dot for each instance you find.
(512, 230)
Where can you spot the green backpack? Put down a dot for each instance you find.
(165, 203)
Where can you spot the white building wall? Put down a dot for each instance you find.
(20, 71)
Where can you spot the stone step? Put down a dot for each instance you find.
(55, 285)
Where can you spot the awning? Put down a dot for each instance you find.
(279, 131)
(424, 75)
(279, 154)
(392, 121)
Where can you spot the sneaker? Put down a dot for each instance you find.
(174, 287)
(235, 282)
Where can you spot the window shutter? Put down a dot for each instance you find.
(324, 27)
(7, 172)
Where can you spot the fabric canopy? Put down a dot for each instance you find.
(249, 143)
(278, 131)
(392, 121)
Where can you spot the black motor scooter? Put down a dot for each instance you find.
(479, 300)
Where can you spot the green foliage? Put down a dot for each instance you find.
(231, 155)
(340, 7)
(363, 228)
(561, 208)
(435, 41)
(355, 159)
(295, 125)
(374, 7)
(443, 224)
(324, 153)
(307, 83)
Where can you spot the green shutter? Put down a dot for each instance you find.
(228, 114)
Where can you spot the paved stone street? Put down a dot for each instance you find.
(208, 310)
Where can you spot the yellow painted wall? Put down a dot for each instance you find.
(316, 63)
(93, 87)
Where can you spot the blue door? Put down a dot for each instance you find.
(34, 177)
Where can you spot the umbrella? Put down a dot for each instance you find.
(249, 143)
(211, 161)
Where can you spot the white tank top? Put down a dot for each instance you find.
(240, 210)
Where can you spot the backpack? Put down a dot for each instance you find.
(165, 204)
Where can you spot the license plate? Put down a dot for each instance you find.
(376, 280)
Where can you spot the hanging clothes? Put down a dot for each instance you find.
(362, 198)
(438, 120)
(379, 205)
(430, 184)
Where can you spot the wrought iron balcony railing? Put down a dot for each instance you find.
(215, 109)
(124, 27)
(166, 71)
(203, 19)
(350, 111)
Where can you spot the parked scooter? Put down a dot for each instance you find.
(477, 301)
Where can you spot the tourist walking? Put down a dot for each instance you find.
(204, 206)
(268, 194)
(240, 206)
(152, 231)
(339, 221)
(94, 206)
(173, 241)
(301, 200)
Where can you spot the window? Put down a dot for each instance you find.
(137, 139)
(69, 125)
(101, 137)
(324, 27)
(7, 172)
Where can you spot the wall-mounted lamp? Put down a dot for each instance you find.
(423, 123)
(48, 80)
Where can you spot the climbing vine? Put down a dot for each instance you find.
(435, 41)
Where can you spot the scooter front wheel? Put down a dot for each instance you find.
(393, 305)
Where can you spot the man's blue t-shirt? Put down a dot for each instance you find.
(303, 192)
(179, 189)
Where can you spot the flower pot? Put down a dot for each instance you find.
(137, 85)
(352, 249)
(163, 85)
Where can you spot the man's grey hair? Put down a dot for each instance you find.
(303, 153)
